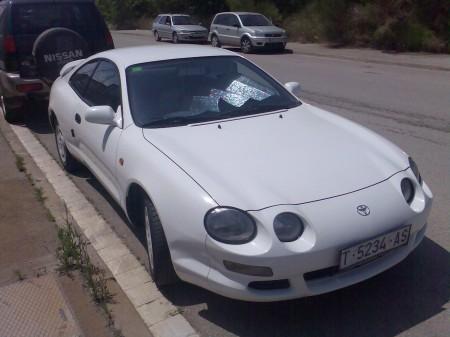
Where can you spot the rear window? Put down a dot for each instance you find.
(35, 18)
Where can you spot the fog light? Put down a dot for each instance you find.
(248, 270)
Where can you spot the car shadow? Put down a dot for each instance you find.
(36, 117)
(412, 292)
(263, 51)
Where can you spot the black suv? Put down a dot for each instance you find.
(37, 38)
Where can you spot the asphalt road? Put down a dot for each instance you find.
(411, 107)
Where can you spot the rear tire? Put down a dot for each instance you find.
(215, 41)
(157, 37)
(11, 115)
(68, 162)
(160, 261)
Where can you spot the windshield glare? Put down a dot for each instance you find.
(251, 20)
(186, 91)
(182, 20)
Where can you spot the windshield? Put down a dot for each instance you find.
(251, 20)
(186, 91)
(182, 20)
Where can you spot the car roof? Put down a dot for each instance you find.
(125, 57)
(239, 13)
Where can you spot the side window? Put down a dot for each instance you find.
(168, 22)
(162, 19)
(80, 79)
(104, 87)
(233, 20)
(218, 20)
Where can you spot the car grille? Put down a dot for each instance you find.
(273, 35)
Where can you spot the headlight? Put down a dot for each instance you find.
(288, 227)
(230, 225)
(415, 169)
(407, 189)
(258, 33)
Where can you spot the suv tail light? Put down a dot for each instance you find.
(109, 40)
(9, 45)
(29, 87)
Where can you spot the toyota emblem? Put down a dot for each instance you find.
(363, 210)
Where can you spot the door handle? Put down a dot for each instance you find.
(77, 118)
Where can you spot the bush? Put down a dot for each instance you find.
(306, 26)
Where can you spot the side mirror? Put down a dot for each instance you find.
(293, 87)
(102, 114)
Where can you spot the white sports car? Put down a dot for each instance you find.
(242, 188)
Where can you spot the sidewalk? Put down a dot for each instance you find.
(413, 60)
(34, 300)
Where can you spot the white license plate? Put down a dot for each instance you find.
(371, 249)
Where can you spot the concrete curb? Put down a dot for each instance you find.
(161, 317)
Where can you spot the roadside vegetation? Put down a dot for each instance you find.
(398, 25)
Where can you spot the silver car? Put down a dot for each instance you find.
(247, 30)
(178, 28)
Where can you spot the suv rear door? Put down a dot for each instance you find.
(29, 20)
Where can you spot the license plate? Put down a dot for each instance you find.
(371, 249)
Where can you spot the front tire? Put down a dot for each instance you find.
(160, 261)
(68, 162)
(246, 45)
(175, 39)
(157, 37)
(11, 115)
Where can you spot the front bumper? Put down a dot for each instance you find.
(193, 37)
(9, 83)
(311, 264)
(268, 42)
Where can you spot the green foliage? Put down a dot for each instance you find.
(266, 7)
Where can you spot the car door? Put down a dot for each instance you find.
(71, 120)
(167, 27)
(233, 32)
(99, 142)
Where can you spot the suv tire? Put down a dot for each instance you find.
(246, 45)
(160, 261)
(54, 48)
(157, 37)
(11, 115)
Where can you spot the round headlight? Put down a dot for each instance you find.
(230, 225)
(407, 189)
(415, 169)
(288, 227)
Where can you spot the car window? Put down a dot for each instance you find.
(168, 22)
(80, 79)
(2, 19)
(104, 87)
(162, 19)
(179, 20)
(184, 91)
(34, 18)
(250, 20)
(218, 20)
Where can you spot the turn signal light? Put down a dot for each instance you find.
(29, 87)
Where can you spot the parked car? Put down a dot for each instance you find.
(242, 188)
(37, 38)
(178, 28)
(249, 31)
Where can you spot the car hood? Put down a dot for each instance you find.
(256, 162)
(266, 29)
(193, 28)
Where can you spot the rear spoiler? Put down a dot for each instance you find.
(69, 66)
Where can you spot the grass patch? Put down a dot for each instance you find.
(72, 255)
(20, 163)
